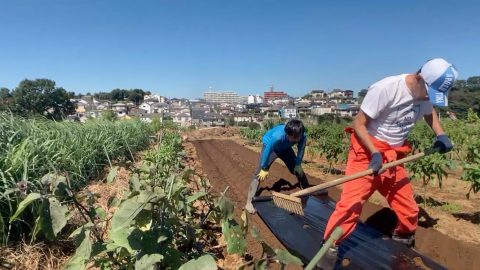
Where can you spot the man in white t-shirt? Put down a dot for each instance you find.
(389, 111)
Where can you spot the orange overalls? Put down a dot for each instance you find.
(393, 184)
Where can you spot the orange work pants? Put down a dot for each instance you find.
(393, 184)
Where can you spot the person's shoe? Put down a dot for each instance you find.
(406, 239)
(250, 209)
(329, 260)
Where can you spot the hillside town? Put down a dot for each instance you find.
(221, 108)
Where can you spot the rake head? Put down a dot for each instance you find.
(290, 203)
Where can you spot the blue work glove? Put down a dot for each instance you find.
(376, 162)
(443, 144)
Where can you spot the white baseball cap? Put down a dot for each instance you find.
(439, 77)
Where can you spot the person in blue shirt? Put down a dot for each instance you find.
(278, 143)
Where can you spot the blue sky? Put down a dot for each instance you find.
(180, 48)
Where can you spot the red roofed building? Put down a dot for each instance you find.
(272, 95)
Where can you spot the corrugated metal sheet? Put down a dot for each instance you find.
(366, 248)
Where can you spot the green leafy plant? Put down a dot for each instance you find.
(253, 135)
(471, 168)
(33, 148)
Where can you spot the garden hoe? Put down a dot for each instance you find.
(293, 202)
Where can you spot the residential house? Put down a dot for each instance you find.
(154, 98)
(106, 105)
(82, 106)
(272, 112)
(205, 118)
(318, 94)
(341, 93)
(182, 119)
(146, 107)
(179, 102)
(154, 107)
(288, 112)
(212, 119)
(346, 110)
(243, 118)
(120, 107)
(321, 110)
(303, 109)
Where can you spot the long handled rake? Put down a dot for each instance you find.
(293, 202)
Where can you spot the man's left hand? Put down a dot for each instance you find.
(443, 144)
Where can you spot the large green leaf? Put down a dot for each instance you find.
(113, 202)
(23, 204)
(120, 237)
(80, 229)
(196, 196)
(206, 262)
(285, 257)
(148, 261)
(112, 174)
(129, 209)
(226, 207)
(52, 218)
(58, 214)
(82, 253)
(135, 183)
(234, 237)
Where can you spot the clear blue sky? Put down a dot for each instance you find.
(180, 48)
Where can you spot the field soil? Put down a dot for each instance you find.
(448, 232)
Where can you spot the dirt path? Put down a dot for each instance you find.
(226, 163)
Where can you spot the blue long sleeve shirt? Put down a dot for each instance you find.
(276, 140)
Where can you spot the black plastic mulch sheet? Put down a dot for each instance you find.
(365, 248)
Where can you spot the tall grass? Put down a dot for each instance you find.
(31, 148)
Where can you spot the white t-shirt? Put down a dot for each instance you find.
(392, 109)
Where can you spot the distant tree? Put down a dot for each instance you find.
(136, 95)
(474, 81)
(5, 98)
(5, 93)
(42, 97)
(464, 95)
(361, 95)
(459, 84)
(103, 96)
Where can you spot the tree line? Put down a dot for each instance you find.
(43, 97)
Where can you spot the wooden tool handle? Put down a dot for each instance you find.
(354, 176)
